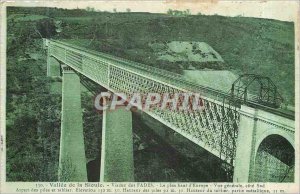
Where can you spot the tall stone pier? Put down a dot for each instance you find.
(72, 161)
(53, 67)
(117, 146)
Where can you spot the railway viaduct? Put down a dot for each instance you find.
(248, 132)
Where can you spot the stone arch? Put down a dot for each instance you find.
(274, 159)
(288, 135)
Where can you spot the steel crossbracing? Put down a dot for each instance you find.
(263, 86)
(214, 128)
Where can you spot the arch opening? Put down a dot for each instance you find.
(274, 161)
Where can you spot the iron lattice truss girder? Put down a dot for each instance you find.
(205, 128)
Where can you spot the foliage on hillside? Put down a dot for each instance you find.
(247, 45)
(32, 122)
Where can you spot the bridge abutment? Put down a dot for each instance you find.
(117, 146)
(264, 152)
(72, 161)
(244, 151)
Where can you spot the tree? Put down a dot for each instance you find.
(91, 9)
(187, 12)
(170, 12)
(46, 27)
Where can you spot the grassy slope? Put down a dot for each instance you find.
(248, 45)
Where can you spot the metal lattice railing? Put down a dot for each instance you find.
(204, 127)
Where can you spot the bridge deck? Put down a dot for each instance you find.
(205, 128)
(177, 80)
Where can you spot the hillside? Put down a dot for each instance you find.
(247, 45)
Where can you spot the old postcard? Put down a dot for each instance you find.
(149, 96)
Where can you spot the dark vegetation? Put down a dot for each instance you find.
(32, 125)
(247, 45)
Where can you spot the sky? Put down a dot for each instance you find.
(285, 10)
